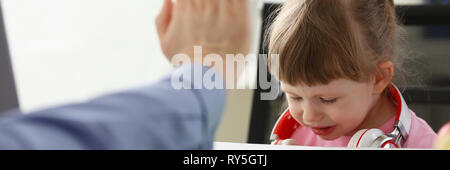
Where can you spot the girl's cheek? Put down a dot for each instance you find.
(347, 114)
(297, 115)
(294, 108)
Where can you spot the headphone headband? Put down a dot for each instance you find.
(403, 118)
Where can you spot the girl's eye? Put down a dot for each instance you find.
(328, 101)
(296, 98)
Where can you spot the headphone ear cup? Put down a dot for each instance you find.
(355, 138)
(365, 138)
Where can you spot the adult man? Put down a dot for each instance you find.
(152, 117)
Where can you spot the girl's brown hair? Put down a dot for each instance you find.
(322, 40)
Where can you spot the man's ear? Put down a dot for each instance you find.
(383, 77)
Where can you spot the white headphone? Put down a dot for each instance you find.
(364, 138)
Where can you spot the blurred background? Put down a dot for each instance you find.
(73, 50)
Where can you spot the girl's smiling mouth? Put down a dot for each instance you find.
(324, 130)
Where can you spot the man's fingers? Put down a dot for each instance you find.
(212, 6)
(199, 5)
(225, 6)
(241, 5)
(164, 17)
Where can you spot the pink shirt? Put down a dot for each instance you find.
(420, 136)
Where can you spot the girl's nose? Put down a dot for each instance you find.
(311, 114)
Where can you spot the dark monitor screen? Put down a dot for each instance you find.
(8, 95)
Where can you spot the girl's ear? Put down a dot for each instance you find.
(383, 76)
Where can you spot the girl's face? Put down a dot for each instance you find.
(331, 110)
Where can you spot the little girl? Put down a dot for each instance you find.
(337, 60)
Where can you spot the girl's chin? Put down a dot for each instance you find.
(351, 133)
(332, 136)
